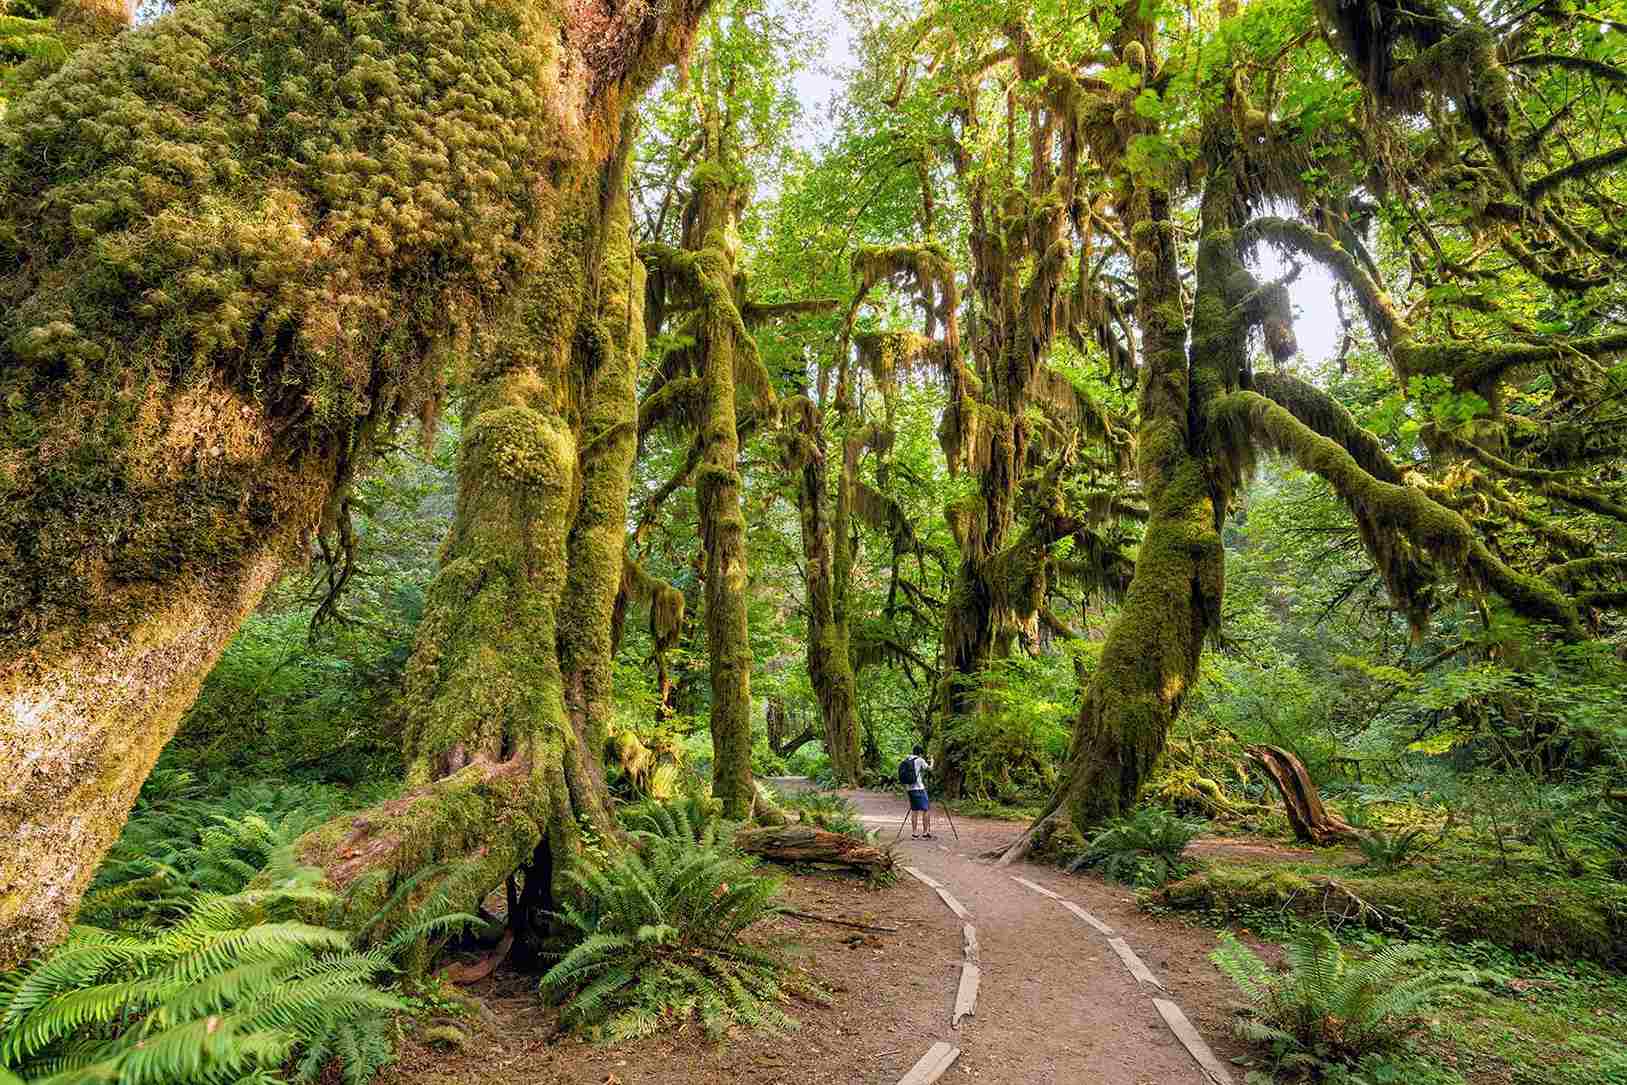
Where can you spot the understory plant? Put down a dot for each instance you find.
(659, 943)
(1330, 1009)
(1143, 849)
(826, 810)
(692, 819)
(232, 989)
(1387, 850)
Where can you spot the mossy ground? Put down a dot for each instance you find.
(1537, 1023)
(1526, 909)
(1550, 946)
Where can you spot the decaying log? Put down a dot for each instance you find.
(805, 844)
(1311, 821)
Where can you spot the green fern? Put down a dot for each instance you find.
(659, 941)
(229, 991)
(691, 819)
(1328, 1008)
(179, 844)
(1142, 849)
(826, 810)
(1391, 851)
(185, 976)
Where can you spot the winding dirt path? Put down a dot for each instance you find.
(1056, 1002)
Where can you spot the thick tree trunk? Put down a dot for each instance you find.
(170, 431)
(504, 756)
(81, 730)
(1151, 656)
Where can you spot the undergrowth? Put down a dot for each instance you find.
(659, 943)
(195, 960)
(1328, 1008)
(229, 988)
(1143, 849)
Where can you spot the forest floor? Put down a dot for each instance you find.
(1056, 1004)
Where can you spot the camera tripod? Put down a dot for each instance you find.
(899, 835)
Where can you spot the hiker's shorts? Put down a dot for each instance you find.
(918, 800)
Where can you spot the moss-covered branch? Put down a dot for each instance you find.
(758, 313)
(1474, 364)
(1382, 318)
(1387, 512)
(1328, 417)
(1576, 171)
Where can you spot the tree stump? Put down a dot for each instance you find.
(1311, 821)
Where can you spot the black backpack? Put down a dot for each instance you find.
(906, 775)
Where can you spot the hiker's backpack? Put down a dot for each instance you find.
(906, 773)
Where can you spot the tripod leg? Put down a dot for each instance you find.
(951, 818)
(899, 835)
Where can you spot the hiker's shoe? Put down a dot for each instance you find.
(915, 836)
(928, 836)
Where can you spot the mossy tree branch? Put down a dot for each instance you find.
(1387, 510)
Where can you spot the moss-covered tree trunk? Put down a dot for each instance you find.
(830, 665)
(1150, 659)
(717, 489)
(210, 311)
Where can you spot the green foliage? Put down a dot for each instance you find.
(29, 46)
(1390, 850)
(232, 989)
(295, 699)
(1010, 745)
(181, 842)
(659, 942)
(692, 819)
(825, 810)
(1330, 1008)
(196, 961)
(1142, 849)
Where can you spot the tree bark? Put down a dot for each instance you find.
(805, 844)
(174, 432)
(1310, 819)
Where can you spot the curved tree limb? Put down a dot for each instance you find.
(1386, 510)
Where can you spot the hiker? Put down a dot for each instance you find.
(910, 774)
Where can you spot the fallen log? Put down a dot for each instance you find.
(805, 844)
(1310, 819)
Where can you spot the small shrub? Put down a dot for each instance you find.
(1143, 849)
(1328, 1008)
(826, 810)
(659, 944)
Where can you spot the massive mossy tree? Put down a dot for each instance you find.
(1204, 415)
(1181, 150)
(240, 247)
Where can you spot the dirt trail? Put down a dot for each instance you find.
(1056, 1003)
